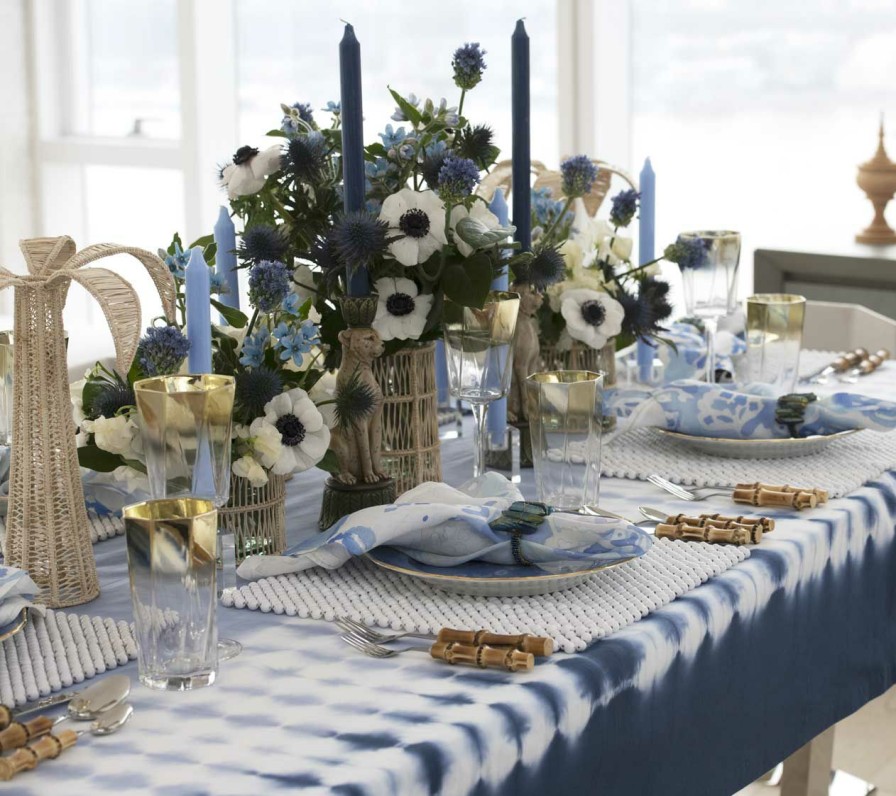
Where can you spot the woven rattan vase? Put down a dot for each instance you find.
(256, 516)
(47, 531)
(410, 416)
(582, 357)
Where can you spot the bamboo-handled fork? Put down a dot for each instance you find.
(540, 646)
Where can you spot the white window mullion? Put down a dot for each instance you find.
(207, 48)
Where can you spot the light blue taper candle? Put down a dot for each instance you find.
(497, 410)
(199, 322)
(225, 259)
(646, 243)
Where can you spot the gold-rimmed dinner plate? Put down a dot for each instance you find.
(482, 579)
(17, 624)
(756, 448)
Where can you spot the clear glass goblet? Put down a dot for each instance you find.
(185, 423)
(710, 289)
(479, 349)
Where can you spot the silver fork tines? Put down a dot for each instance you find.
(366, 633)
(682, 493)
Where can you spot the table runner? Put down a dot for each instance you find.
(575, 618)
(56, 650)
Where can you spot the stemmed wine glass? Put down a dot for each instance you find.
(710, 284)
(479, 349)
(185, 422)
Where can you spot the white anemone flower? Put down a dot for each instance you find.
(419, 218)
(591, 317)
(481, 213)
(304, 437)
(248, 467)
(249, 170)
(400, 312)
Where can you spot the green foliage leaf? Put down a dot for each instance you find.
(233, 316)
(329, 463)
(473, 232)
(468, 282)
(94, 458)
(204, 241)
(413, 115)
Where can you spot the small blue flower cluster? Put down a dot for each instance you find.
(252, 354)
(457, 178)
(294, 342)
(268, 285)
(217, 284)
(333, 107)
(624, 206)
(687, 253)
(176, 262)
(578, 174)
(469, 64)
(398, 115)
(545, 208)
(289, 125)
(162, 350)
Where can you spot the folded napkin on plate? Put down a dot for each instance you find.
(16, 592)
(442, 526)
(745, 412)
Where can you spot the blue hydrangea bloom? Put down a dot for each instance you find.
(268, 285)
(578, 174)
(252, 354)
(457, 178)
(469, 64)
(162, 350)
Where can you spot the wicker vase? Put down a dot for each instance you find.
(410, 416)
(256, 516)
(581, 357)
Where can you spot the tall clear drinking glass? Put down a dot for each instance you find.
(710, 288)
(774, 339)
(171, 545)
(479, 349)
(186, 423)
(565, 421)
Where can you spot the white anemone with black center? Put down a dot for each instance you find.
(249, 170)
(417, 220)
(401, 311)
(304, 436)
(591, 317)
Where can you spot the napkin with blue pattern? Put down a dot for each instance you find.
(17, 591)
(439, 525)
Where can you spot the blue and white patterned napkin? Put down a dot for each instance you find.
(16, 592)
(439, 525)
(746, 412)
(687, 359)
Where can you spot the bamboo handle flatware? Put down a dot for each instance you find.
(19, 733)
(840, 365)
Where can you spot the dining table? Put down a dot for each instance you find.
(700, 697)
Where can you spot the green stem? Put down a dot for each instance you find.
(460, 107)
(546, 235)
(252, 320)
(638, 268)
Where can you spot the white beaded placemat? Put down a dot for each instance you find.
(59, 649)
(574, 618)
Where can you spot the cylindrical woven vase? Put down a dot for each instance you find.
(256, 516)
(581, 357)
(410, 416)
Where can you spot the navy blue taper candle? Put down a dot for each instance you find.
(352, 144)
(519, 73)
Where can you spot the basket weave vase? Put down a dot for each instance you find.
(410, 416)
(256, 516)
(47, 532)
(582, 357)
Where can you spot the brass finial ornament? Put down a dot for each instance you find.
(877, 178)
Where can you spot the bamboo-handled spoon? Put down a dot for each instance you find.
(50, 746)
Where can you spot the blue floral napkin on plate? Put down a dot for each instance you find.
(16, 592)
(442, 526)
(744, 412)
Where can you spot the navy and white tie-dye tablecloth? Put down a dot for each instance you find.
(698, 699)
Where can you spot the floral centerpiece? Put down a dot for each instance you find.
(595, 296)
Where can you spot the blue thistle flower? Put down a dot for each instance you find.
(624, 207)
(252, 354)
(469, 64)
(545, 268)
(289, 125)
(254, 389)
(687, 253)
(162, 350)
(263, 242)
(358, 238)
(305, 157)
(110, 399)
(476, 144)
(457, 178)
(578, 174)
(268, 285)
(645, 310)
